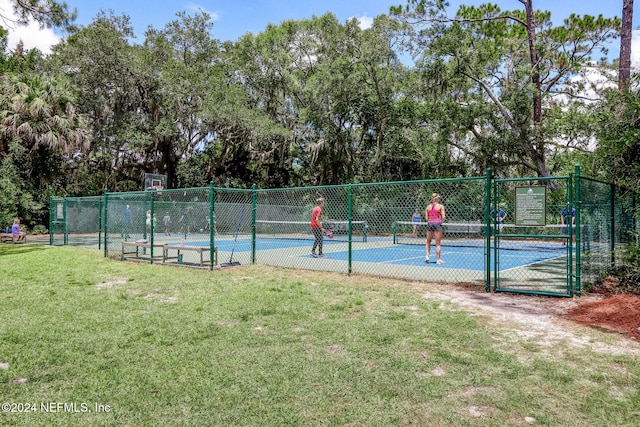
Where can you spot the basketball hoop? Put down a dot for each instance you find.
(155, 182)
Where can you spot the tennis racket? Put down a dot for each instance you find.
(329, 234)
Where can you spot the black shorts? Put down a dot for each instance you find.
(434, 226)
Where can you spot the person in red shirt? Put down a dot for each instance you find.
(317, 229)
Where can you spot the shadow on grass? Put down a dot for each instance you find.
(21, 248)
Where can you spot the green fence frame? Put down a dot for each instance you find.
(373, 204)
(528, 283)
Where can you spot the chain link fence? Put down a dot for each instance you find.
(76, 221)
(396, 215)
(608, 214)
(376, 229)
(534, 246)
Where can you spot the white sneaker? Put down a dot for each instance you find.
(439, 261)
(426, 259)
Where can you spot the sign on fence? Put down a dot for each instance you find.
(530, 206)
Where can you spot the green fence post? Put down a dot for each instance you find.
(65, 238)
(487, 231)
(612, 248)
(577, 200)
(51, 213)
(350, 228)
(254, 202)
(104, 221)
(144, 227)
(151, 231)
(99, 224)
(571, 228)
(212, 226)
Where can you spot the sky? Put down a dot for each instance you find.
(233, 19)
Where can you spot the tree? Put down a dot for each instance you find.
(16, 189)
(181, 59)
(48, 13)
(272, 69)
(21, 131)
(41, 130)
(233, 130)
(382, 106)
(618, 124)
(106, 72)
(505, 74)
(625, 44)
(332, 86)
(333, 100)
(41, 112)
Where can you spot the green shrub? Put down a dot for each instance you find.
(629, 274)
(40, 229)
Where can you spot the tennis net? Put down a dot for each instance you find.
(550, 237)
(301, 230)
(453, 234)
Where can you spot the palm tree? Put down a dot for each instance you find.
(40, 111)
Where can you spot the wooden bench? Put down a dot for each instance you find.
(13, 238)
(181, 248)
(137, 246)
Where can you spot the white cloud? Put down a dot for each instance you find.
(31, 35)
(365, 22)
(197, 8)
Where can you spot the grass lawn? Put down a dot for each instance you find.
(90, 341)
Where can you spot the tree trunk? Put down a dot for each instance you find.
(537, 146)
(533, 56)
(624, 71)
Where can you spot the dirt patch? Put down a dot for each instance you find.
(619, 313)
(549, 320)
(159, 298)
(613, 311)
(114, 282)
(546, 320)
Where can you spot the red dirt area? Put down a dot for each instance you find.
(617, 312)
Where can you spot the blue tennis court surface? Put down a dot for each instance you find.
(468, 258)
(460, 258)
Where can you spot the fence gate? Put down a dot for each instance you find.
(533, 246)
(76, 221)
(57, 222)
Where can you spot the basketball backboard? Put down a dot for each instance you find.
(154, 181)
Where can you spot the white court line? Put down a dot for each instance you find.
(397, 259)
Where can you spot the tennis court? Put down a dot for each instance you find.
(399, 254)
(467, 258)
(381, 250)
(375, 229)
